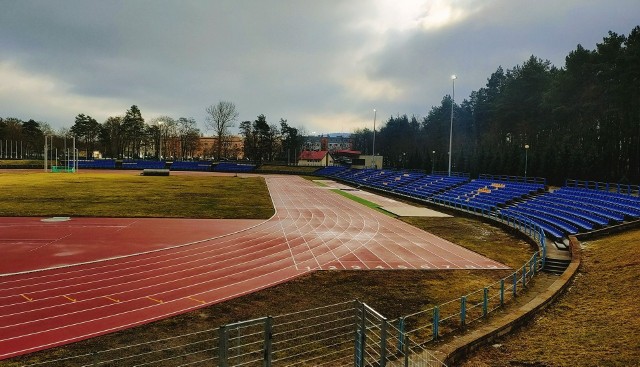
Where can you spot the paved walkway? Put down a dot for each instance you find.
(399, 208)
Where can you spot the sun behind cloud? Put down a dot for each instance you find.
(411, 15)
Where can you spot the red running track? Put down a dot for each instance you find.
(155, 268)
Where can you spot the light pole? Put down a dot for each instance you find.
(373, 150)
(433, 161)
(160, 147)
(526, 150)
(453, 97)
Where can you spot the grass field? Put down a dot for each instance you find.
(128, 195)
(21, 162)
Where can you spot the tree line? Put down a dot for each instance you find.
(130, 136)
(580, 121)
(127, 136)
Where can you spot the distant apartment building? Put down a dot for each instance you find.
(232, 148)
(330, 142)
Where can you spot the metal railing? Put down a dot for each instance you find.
(619, 188)
(516, 179)
(343, 334)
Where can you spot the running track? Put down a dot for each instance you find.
(191, 264)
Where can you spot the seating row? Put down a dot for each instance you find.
(329, 170)
(492, 193)
(407, 183)
(628, 203)
(430, 185)
(549, 230)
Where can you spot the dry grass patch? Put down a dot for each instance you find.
(486, 239)
(21, 162)
(126, 195)
(595, 323)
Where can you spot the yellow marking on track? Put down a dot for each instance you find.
(27, 298)
(196, 300)
(112, 299)
(155, 300)
(70, 299)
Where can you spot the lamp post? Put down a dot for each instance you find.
(526, 150)
(160, 147)
(433, 161)
(373, 149)
(453, 97)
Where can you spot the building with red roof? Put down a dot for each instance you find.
(315, 158)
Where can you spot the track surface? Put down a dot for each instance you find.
(183, 265)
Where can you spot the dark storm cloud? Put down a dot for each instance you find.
(323, 65)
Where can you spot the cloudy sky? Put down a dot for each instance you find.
(322, 65)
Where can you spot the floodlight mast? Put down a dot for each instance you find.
(453, 97)
(526, 150)
(373, 150)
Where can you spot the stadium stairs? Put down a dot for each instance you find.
(556, 266)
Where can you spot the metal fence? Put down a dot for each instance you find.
(345, 334)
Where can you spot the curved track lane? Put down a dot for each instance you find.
(313, 229)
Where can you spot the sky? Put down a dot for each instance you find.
(324, 66)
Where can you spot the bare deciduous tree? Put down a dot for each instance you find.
(220, 118)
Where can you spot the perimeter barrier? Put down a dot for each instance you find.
(345, 334)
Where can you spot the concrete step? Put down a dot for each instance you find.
(555, 266)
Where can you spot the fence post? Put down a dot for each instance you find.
(463, 310)
(268, 334)
(360, 334)
(535, 263)
(485, 302)
(515, 284)
(357, 358)
(401, 336)
(524, 275)
(501, 292)
(383, 343)
(406, 351)
(223, 346)
(436, 321)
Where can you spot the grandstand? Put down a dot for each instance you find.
(577, 208)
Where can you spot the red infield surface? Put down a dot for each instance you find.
(133, 271)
